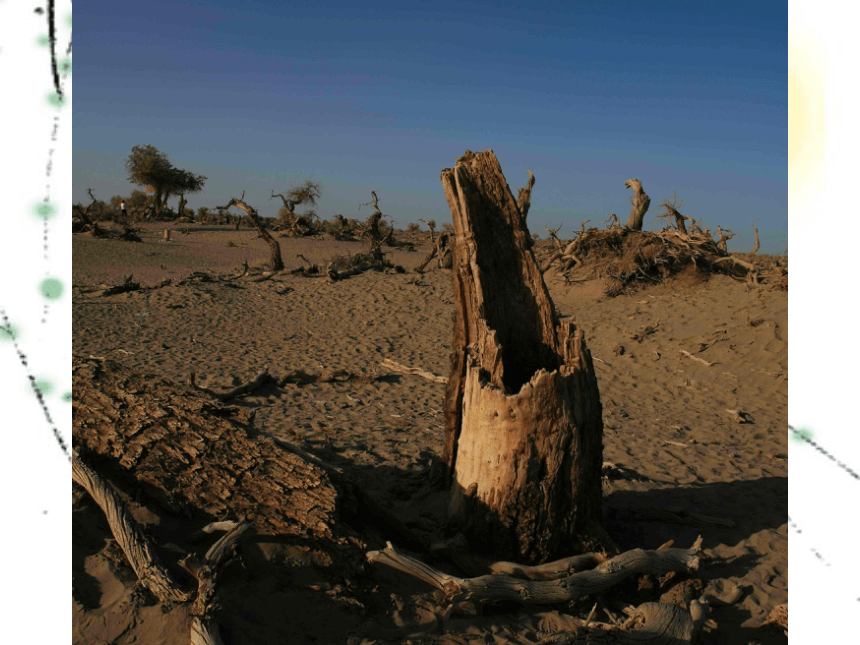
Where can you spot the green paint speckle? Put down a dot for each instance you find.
(45, 210)
(65, 66)
(69, 20)
(43, 40)
(801, 434)
(44, 386)
(67, 397)
(56, 100)
(9, 332)
(51, 288)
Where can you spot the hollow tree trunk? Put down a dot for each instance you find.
(523, 419)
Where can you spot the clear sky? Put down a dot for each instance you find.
(685, 96)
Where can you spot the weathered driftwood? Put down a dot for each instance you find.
(544, 592)
(150, 572)
(402, 369)
(695, 358)
(456, 549)
(138, 549)
(204, 626)
(523, 422)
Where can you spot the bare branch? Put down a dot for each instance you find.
(524, 195)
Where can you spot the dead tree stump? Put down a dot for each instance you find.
(523, 419)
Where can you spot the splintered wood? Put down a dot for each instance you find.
(523, 422)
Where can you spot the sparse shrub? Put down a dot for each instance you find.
(448, 226)
(413, 227)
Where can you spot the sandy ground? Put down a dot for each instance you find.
(668, 434)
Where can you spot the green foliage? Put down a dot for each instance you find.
(148, 166)
(138, 201)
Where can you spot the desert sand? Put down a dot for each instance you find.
(672, 443)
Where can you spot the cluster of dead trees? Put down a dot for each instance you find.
(626, 254)
(85, 220)
(340, 268)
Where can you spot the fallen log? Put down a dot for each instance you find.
(140, 553)
(137, 548)
(456, 549)
(544, 592)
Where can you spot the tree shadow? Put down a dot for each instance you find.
(753, 505)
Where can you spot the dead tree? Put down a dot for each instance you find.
(670, 209)
(307, 193)
(371, 229)
(523, 423)
(524, 195)
(87, 224)
(725, 236)
(276, 263)
(613, 221)
(553, 233)
(431, 224)
(757, 245)
(442, 251)
(640, 202)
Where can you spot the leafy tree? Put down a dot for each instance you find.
(148, 166)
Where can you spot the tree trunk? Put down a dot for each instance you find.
(640, 203)
(523, 419)
(196, 456)
(157, 199)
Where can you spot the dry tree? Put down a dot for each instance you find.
(755, 230)
(371, 228)
(670, 210)
(87, 223)
(725, 236)
(640, 202)
(298, 224)
(276, 262)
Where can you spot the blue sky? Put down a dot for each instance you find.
(685, 96)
